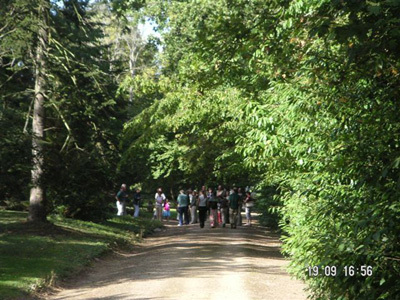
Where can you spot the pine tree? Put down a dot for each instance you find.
(37, 211)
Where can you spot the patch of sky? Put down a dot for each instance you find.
(148, 31)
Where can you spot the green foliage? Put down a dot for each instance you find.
(17, 34)
(86, 104)
(270, 204)
(84, 116)
(14, 182)
(296, 95)
(188, 136)
(329, 146)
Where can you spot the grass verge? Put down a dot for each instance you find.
(33, 256)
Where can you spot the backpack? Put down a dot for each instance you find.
(214, 204)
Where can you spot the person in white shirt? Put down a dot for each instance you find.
(122, 198)
(249, 202)
(160, 198)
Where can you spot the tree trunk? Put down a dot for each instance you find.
(37, 210)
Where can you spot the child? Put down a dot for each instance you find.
(167, 212)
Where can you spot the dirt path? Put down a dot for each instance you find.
(192, 263)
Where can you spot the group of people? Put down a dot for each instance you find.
(222, 206)
(122, 199)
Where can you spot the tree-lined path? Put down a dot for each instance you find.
(297, 100)
(193, 263)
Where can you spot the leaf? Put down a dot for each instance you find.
(374, 8)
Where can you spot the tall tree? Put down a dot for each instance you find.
(37, 210)
(53, 55)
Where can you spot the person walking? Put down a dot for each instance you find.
(137, 198)
(193, 207)
(202, 206)
(228, 210)
(121, 197)
(234, 205)
(223, 203)
(213, 204)
(241, 198)
(183, 203)
(205, 191)
(249, 204)
(188, 193)
(160, 198)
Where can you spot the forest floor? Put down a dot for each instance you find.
(191, 263)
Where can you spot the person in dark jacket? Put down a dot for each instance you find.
(193, 207)
(241, 198)
(137, 197)
(234, 206)
(223, 202)
(121, 198)
(202, 206)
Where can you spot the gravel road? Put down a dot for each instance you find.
(192, 263)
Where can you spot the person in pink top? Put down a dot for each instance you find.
(167, 210)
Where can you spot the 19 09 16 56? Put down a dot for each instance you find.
(363, 270)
